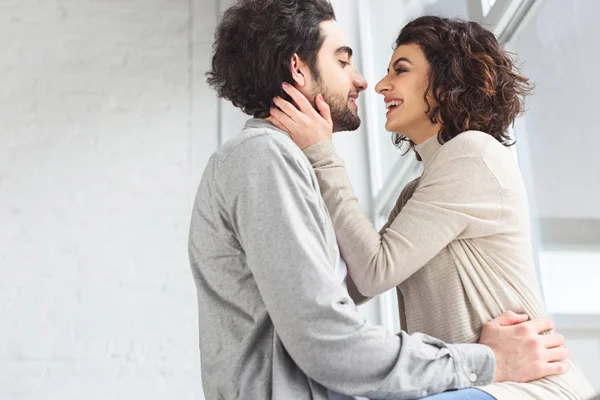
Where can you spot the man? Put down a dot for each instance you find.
(276, 319)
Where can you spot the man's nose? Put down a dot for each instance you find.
(359, 81)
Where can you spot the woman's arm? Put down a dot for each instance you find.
(407, 192)
(455, 199)
(405, 195)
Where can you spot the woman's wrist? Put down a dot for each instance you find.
(319, 151)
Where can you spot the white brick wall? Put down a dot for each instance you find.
(100, 155)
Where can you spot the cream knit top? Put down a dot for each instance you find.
(457, 246)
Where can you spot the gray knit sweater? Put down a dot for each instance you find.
(275, 323)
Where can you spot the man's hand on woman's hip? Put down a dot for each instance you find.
(525, 350)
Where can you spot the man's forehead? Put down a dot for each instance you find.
(335, 38)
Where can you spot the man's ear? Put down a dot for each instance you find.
(299, 70)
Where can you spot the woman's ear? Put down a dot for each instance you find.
(299, 71)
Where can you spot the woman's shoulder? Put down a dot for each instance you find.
(470, 143)
(476, 145)
(478, 153)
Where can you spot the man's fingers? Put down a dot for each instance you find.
(552, 340)
(542, 324)
(558, 354)
(556, 368)
(510, 318)
(302, 102)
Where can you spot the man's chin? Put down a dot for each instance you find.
(346, 127)
(346, 120)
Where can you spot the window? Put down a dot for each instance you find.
(486, 6)
(561, 176)
(500, 17)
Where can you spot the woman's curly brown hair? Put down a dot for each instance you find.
(474, 83)
(254, 43)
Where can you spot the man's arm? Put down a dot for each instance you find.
(279, 219)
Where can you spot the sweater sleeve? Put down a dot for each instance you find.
(405, 195)
(457, 198)
(278, 218)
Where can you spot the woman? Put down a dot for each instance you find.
(457, 245)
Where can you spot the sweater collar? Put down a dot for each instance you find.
(260, 123)
(428, 149)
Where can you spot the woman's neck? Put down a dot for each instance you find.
(423, 133)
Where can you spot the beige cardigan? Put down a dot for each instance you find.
(457, 246)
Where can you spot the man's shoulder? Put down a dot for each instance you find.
(261, 150)
(255, 142)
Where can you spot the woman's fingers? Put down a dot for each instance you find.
(288, 108)
(278, 124)
(302, 102)
(305, 125)
(282, 118)
(323, 108)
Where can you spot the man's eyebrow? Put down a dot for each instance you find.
(399, 60)
(344, 49)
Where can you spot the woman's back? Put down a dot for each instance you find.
(487, 269)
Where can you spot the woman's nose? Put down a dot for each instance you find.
(382, 86)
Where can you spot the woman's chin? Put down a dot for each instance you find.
(391, 127)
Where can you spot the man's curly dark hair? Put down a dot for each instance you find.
(254, 44)
(473, 81)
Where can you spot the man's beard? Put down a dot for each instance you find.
(344, 119)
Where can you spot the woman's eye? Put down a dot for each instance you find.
(344, 63)
(399, 71)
